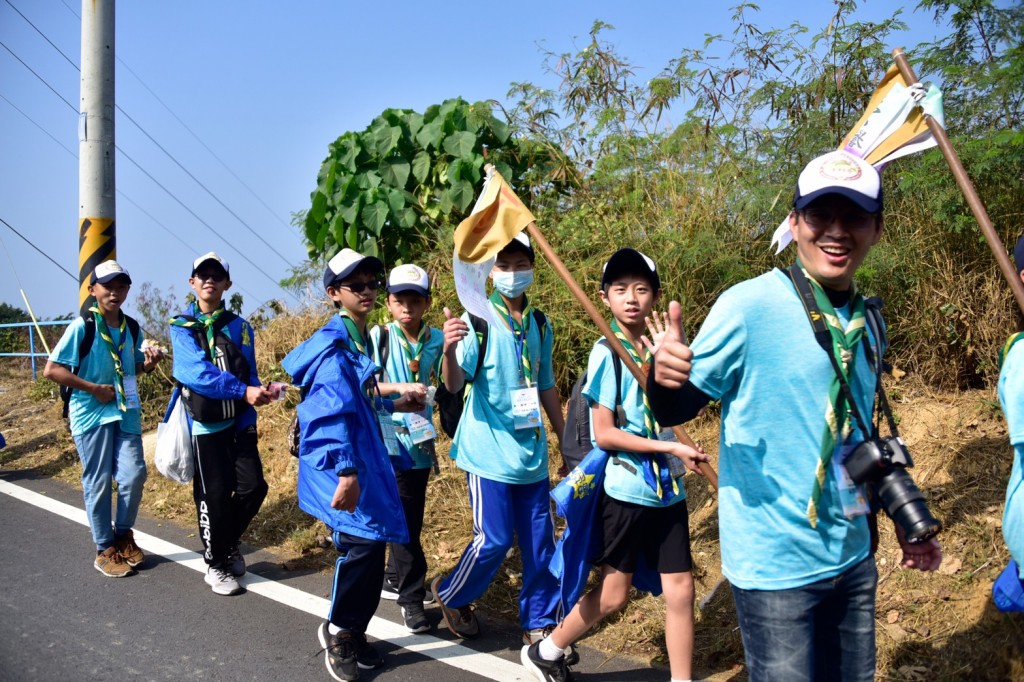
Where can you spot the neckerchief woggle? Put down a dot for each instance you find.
(206, 321)
(838, 424)
(519, 332)
(115, 352)
(412, 355)
(655, 467)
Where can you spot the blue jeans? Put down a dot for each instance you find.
(109, 454)
(821, 631)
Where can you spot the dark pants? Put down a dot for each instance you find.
(358, 574)
(228, 489)
(407, 567)
(821, 631)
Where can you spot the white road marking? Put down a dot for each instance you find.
(484, 665)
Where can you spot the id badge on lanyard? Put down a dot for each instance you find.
(131, 391)
(420, 428)
(525, 406)
(387, 431)
(852, 496)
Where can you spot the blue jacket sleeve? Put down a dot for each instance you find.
(325, 419)
(192, 367)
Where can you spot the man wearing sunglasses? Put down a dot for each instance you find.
(215, 366)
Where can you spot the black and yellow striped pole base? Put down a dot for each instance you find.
(96, 244)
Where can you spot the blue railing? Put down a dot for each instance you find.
(32, 340)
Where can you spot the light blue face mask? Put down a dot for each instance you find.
(512, 284)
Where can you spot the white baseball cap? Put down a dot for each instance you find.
(345, 263)
(108, 270)
(211, 256)
(409, 277)
(840, 173)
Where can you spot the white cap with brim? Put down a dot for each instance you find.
(107, 271)
(345, 262)
(522, 242)
(409, 278)
(839, 173)
(211, 256)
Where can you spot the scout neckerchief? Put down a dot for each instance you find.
(354, 335)
(656, 469)
(115, 352)
(520, 332)
(837, 412)
(412, 355)
(1005, 350)
(204, 321)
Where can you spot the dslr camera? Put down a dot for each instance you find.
(883, 463)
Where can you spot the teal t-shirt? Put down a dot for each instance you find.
(621, 482)
(84, 411)
(487, 442)
(757, 353)
(397, 371)
(1011, 395)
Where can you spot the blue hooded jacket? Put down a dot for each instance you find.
(339, 430)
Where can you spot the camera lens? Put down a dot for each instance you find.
(905, 504)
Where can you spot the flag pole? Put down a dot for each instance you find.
(620, 350)
(967, 187)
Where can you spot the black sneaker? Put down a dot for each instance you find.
(572, 656)
(339, 654)
(389, 590)
(541, 670)
(367, 656)
(415, 619)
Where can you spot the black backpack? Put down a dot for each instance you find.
(228, 358)
(450, 405)
(85, 346)
(576, 437)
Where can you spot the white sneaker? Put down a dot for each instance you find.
(221, 581)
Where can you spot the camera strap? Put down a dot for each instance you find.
(824, 338)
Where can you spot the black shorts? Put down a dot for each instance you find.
(660, 534)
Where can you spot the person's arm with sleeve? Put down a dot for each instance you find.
(192, 367)
(324, 417)
(674, 400)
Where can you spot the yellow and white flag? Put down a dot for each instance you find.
(497, 217)
(893, 125)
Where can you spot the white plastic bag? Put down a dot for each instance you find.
(174, 445)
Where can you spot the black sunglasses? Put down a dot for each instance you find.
(359, 287)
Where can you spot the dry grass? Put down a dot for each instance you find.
(941, 626)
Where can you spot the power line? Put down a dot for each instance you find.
(161, 186)
(44, 254)
(160, 146)
(188, 247)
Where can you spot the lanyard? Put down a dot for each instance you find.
(519, 335)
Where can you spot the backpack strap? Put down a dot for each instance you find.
(85, 345)
(619, 412)
(481, 328)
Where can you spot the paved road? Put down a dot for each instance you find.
(59, 619)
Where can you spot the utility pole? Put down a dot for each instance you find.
(96, 198)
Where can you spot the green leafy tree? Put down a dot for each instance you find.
(387, 190)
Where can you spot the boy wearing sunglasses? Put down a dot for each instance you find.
(345, 474)
(215, 366)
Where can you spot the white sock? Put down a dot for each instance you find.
(549, 651)
(333, 629)
(686, 680)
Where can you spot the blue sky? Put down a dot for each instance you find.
(267, 86)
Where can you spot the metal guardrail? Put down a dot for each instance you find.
(32, 353)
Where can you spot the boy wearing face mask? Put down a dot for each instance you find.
(501, 443)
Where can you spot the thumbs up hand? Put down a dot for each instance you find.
(672, 355)
(455, 329)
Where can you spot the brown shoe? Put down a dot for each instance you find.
(460, 620)
(128, 550)
(110, 563)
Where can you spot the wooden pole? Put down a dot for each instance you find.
(967, 187)
(620, 350)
